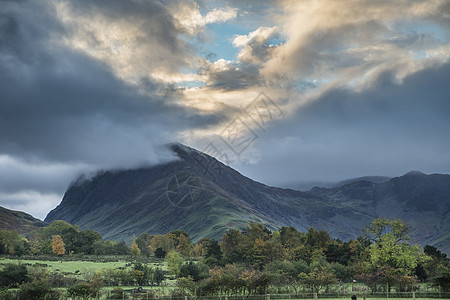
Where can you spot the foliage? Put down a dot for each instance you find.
(9, 241)
(13, 274)
(6, 294)
(318, 279)
(58, 245)
(252, 261)
(160, 253)
(443, 281)
(37, 290)
(174, 261)
(392, 258)
(83, 290)
(117, 293)
(135, 249)
(196, 271)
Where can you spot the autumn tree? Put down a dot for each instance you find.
(135, 249)
(58, 245)
(164, 241)
(184, 245)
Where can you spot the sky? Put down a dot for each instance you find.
(283, 91)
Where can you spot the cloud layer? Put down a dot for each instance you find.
(88, 85)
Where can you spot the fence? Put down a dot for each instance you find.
(404, 295)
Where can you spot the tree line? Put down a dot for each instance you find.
(251, 260)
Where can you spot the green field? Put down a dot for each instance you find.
(73, 266)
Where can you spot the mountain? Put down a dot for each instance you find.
(422, 201)
(21, 222)
(373, 179)
(308, 185)
(202, 196)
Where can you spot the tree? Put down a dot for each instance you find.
(143, 242)
(318, 279)
(160, 253)
(213, 253)
(184, 245)
(122, 248)
(157, 276)
(196, 271)
(187, 285)
(9, 239)
(391, 250)
(443, 281)
(88, 239)
(135, 249)
(174, 261)
(58, 245)
(166, 242)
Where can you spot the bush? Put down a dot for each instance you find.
(7, 295)
(12, 275)
(83, 290)
(37, 290)
(117, 293)
(179, 293)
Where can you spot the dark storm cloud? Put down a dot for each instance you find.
(388, 129)
(63, 111)
(59, 104)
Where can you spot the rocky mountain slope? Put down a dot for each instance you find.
(200, 195)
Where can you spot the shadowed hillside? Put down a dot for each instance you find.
(16, 220)
(200, 195)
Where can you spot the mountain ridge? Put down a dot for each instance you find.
(204, 197)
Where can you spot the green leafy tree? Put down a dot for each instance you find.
(88, 239)
(196, 271)
(443, 281)
(9, 239)
(157, 277)
(174, 261)
(186, 285)
(391, 249)
(121, 248)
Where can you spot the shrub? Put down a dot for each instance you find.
(12, 275)
(7, 295)
(117, 293)
(83, 290)
(37, 290)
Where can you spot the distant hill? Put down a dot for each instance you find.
(373, 179)
(21, 222)
(200, 195)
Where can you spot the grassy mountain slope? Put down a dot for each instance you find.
(21, 222)
(200, 195)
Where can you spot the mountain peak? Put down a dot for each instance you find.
(414, 173)
(182, 150)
